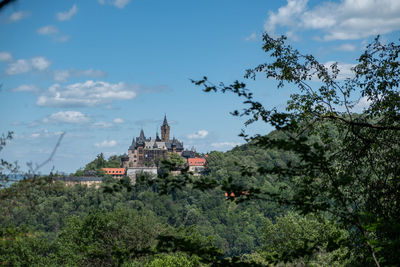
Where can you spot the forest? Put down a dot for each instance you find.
(322, 189)
(47, 223)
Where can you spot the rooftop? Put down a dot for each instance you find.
(118, 171)
(197, 161)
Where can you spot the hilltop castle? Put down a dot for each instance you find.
(145, 152)
(143, 157)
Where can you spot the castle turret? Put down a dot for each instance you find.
(158, 137)
(165, 130)
(142, 134)
(140, 141)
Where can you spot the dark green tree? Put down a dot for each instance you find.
(348, 163)
(108, 238)
(292, 235)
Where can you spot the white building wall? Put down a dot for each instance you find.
(132, 171)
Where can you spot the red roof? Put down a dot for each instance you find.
(196, 161)
(114, 171)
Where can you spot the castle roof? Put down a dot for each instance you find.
(196, 161)
(79, 179)
(114, 171)
(174, 143)
(141, 136)
(153, 144)
(158, 139)
(133, 145)
(165, 120)
(188, 154)
(156, 143)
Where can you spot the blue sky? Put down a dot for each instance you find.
(102, 70)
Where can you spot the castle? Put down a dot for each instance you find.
(146, 152)
(143, 156)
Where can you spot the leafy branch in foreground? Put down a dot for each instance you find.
(347, 163)
(6, 168)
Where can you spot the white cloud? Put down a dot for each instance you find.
(62, 39)
(117, 3)
(41, 133)
(346, 20)
(118, 120)
(25, 88)
(19, 66)
(66, 117)
(346, 47)
(63, 16)
(47, 30)
(89, 93)
(26, 65)
(35, 135)
(106, 143)
(286, 15)
(224, 144)
(40, 63)
(345, 69)
(16, 16)
(201, 134)
(63, 75)
(251, 37)
(102, 124)
(5, 56)
(121, 3)
(362, 104)
(90, 73)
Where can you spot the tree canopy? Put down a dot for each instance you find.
(347, 163)
(321, 190)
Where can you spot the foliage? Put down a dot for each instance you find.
(6, 168)
(173, 260)
(323, 160)
(45, 206)
(98, 164)
(171, 162)
(347, 162)
(19, 247)
(293, 237)
(108, 238)
(191, 242)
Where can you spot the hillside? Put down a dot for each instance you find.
(43, 213)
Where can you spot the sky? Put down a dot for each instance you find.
(102, 70)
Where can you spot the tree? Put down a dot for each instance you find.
(4, 3)
(6, 168)
(309, 237)
(348, 163)
(108, 238)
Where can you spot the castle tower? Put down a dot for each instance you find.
(165, 130)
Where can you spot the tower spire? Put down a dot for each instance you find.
(165, 119)
(165, 130)
(142, 134)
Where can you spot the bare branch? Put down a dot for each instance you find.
(38, 166)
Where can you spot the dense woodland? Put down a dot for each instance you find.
(46, 223)
(320, 190)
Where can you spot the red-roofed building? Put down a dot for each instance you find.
(196, 164)
(232, 195)
(115, 172)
